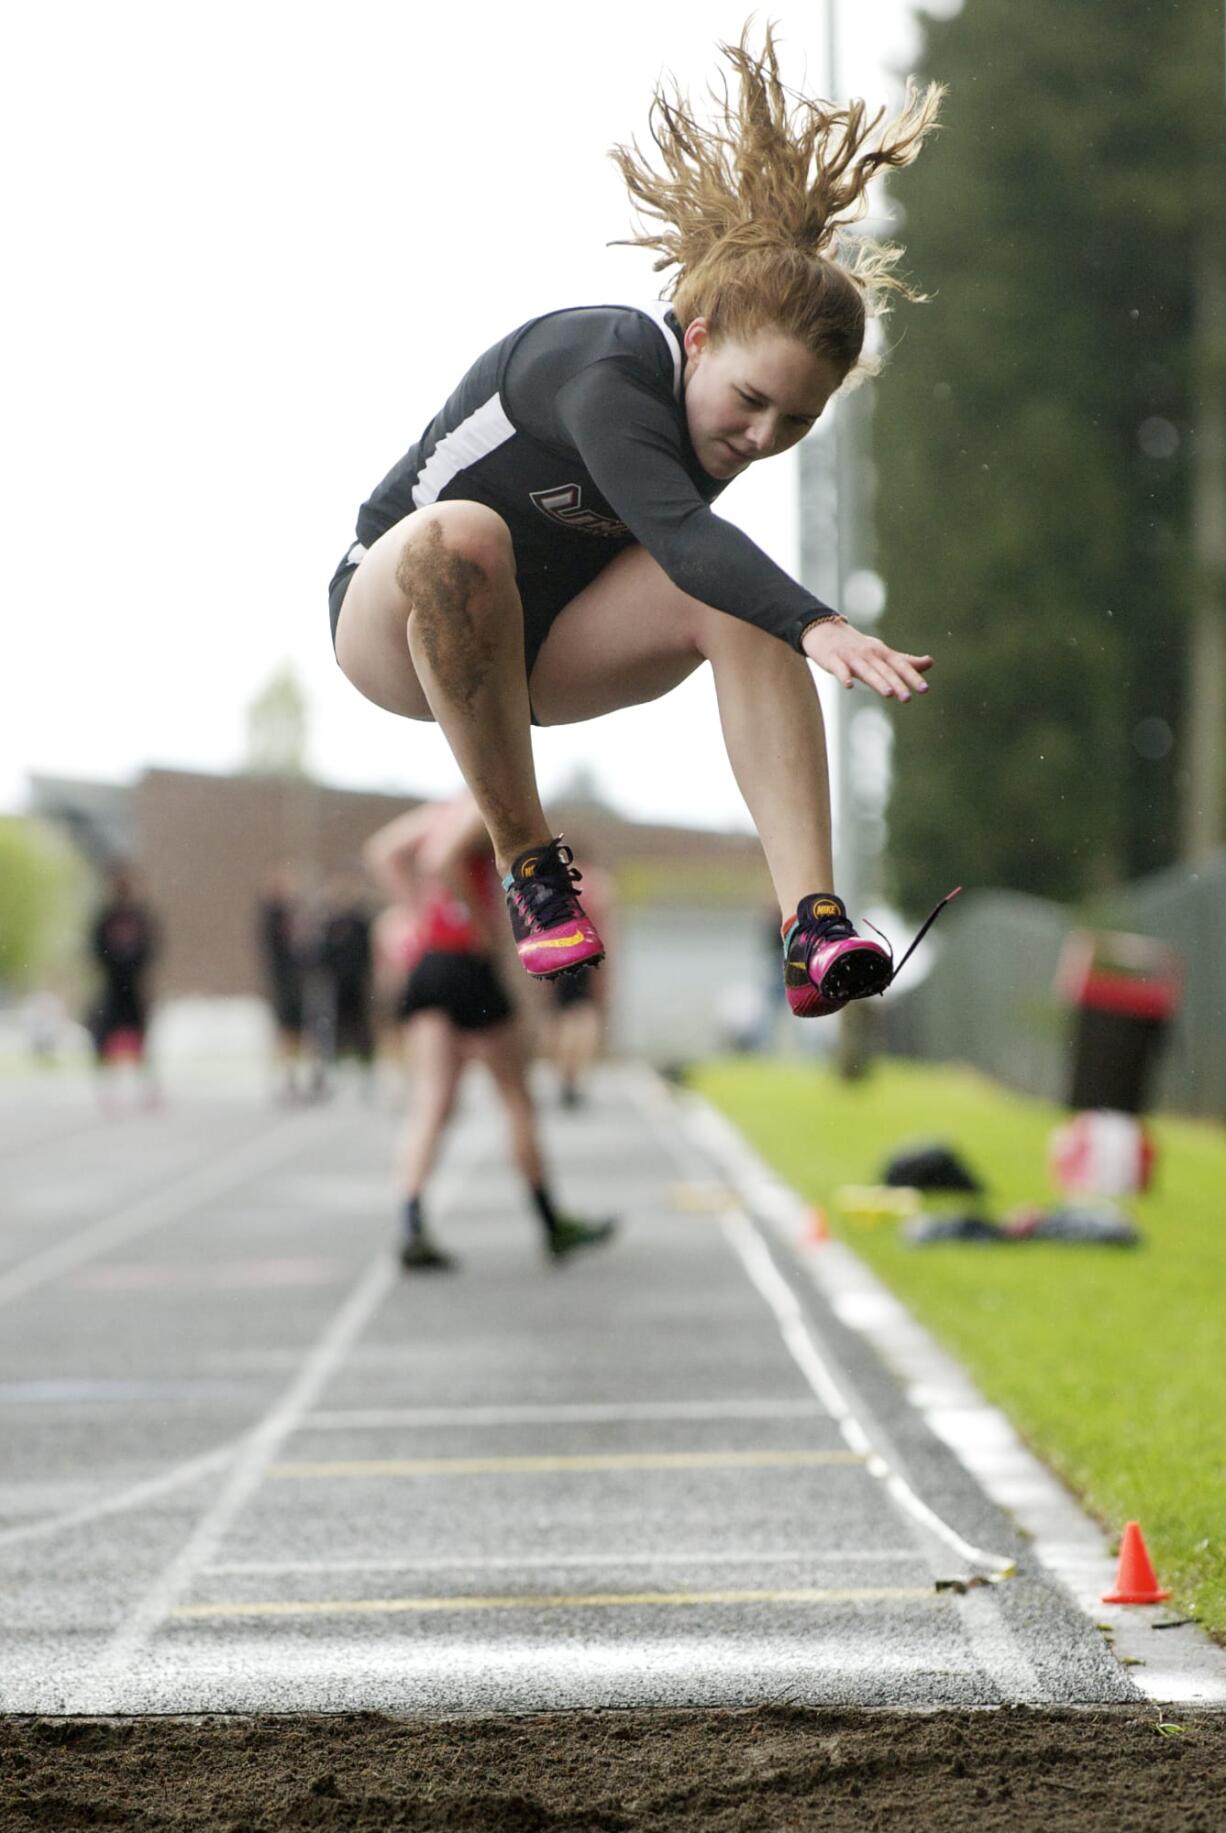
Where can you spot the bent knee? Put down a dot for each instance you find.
(464, 541)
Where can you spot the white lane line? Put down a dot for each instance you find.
(97, 1691)
(746, 1241)
(756, 1259)
(590, 1600)
(992, 1643)
(215, 1178)
(134, 1497)
(559, 1562)
(360, 1419)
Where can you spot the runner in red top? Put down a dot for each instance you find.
(437, 864)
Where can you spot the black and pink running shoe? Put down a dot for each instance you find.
(552, 933)
(826, 964)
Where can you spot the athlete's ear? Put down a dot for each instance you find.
(697, 337)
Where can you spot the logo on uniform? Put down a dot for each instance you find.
(564, 504)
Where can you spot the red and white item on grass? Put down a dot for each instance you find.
(1102, 1153)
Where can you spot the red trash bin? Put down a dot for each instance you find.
(1125, 991)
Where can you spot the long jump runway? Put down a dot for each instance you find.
(248, 1465)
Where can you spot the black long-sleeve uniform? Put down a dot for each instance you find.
(573, 429)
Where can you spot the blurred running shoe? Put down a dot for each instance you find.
(569, 1234)
(421, 1253)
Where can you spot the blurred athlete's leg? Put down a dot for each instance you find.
(631, 636)
(501, 1049)
(436, 1050)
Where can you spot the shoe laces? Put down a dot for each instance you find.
(549, 894)
(841, 929)
(896, 967)
(832, 929)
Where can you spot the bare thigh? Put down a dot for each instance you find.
(629, 637)
(372, 633)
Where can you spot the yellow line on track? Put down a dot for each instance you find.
(590, 1600)
(630, 1460)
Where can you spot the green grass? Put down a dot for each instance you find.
(1108, 1360)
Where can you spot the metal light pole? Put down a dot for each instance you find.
(841, 484)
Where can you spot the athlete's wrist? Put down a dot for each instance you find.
(823, 617)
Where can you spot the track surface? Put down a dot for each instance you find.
(248, 1466)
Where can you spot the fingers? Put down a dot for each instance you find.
(891, 674)
(877, 673)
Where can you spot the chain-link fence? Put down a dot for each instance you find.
(989, 1000)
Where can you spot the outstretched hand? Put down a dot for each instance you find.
(850, 656)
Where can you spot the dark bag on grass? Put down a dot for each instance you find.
(930, 1167)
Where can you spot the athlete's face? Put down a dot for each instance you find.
(750, 400)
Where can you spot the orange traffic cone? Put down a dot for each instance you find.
(818, 1229)
(1136, 1582)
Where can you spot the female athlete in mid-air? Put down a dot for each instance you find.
(547, 551)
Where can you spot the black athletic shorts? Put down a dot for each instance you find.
(548, 578)
(464, 988)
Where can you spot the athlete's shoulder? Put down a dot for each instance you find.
(648, 335)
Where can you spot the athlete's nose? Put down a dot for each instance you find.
(760, 436)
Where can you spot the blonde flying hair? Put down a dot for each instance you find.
(748, 208)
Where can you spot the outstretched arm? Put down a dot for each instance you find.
(629, 438)
(850, 656)
(627, 435)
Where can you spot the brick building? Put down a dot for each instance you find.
(692, 904)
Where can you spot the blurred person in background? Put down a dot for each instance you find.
(123, 943)
(46, 1026)
(579, 1004)
(437, 865)
(344, 963)
(547, 552)
(285, 949)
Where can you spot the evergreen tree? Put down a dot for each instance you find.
(277, 727)
(1032, 434)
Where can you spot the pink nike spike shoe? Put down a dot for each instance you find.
(825, 963)
(552, 934)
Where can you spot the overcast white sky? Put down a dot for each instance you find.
(254, 244)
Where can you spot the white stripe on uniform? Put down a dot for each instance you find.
(658, 309)
(483, 432)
